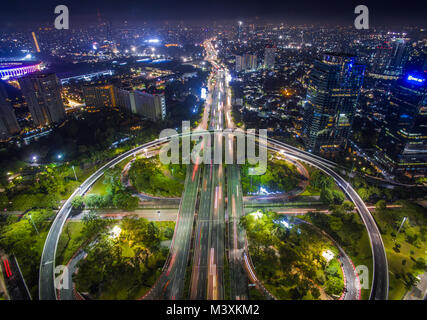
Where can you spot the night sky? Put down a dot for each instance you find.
(20, 13)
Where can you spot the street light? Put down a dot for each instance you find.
(31, 219)
(115, 232)
(34, 158)
(59, 156)
(75, 176)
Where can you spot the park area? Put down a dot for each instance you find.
(292, 259)
(123, 257)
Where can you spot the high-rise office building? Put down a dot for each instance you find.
(123, 99)
(99, 96)
(332, 94)
(246, 62)
(381, 59)
(269, 57)
(402, 144)
(8, 123)
(390, 58)
(42, 91)
(152, 106)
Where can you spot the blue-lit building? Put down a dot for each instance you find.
(402, 144)
(332, 94)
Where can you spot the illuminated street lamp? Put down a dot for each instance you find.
(75, 176)
(31, 219)
(257, 214)
(115, 233)
(34, 158)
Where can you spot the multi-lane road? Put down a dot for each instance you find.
(207, 276)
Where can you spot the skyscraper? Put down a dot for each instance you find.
(152, 106)
(390, 58)
(402, 144)
(269, 57)
(332, 94)
(246, 62)
(42, 91)
(99, 96)
(8, 124)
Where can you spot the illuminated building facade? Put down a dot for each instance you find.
(389, 59)
(99, 96)
(402, 144)
(8, 123)
(269, 57)
(152, 106)
(246, 62)
(332, 94)
(42, 91)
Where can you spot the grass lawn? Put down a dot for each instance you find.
(405, 248)
(69, 241)
(149, 176)
(290, 260)
(98, 187)
(130, 266)
(309, 191)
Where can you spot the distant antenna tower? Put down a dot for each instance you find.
(98, 14)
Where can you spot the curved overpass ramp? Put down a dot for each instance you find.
(379, 287)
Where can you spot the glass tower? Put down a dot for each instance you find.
(332, 94)
(402, 144)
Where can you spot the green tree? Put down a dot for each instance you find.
(381, 205)
(77, 202)
(4, 201)
(94, 201)
(334, 286)
(112, 180)
(126, 201)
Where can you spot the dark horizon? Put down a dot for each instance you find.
(23, 14)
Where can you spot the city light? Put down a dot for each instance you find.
(115, 232)
(203, 93)
(414, 79)
(257, 215)
(328, 255)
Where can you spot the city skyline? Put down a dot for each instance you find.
(307, 12)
